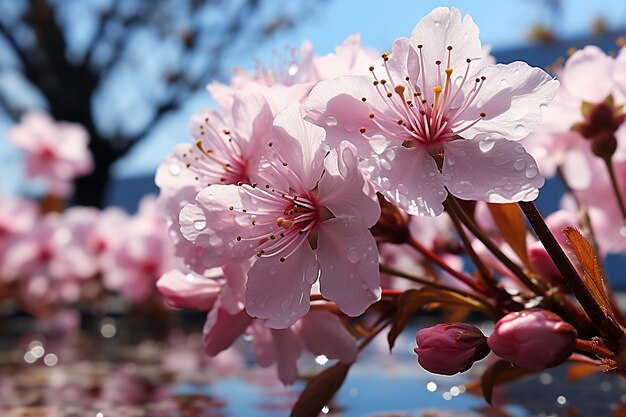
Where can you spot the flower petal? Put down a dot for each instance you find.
(348, 259)
(188, 290)
(492, 170)
(410, 178)
(513, 96)
(588, 74)
(336, 106)
(323, 333)
(342, 188)
(288, 351)
(222, 329)
(279, 291)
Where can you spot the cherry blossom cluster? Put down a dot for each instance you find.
(53, 260)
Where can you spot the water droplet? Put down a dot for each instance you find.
(450, 160)
(519, 165)
(384, 164)
(516, 72)
(384, 182)
(520, 149)
(463, 187)
(486, 144)
(214, 240)
(293, 69)
(508, 187)
(199, 225)
(272, 270)
(350, 126)
(437, 24)
(503, 82)
(353, 254)
(403, 189)
(390, 154)
(531, 171)
(520, 130)
(331, 121)
(543, 107)
(174, 169)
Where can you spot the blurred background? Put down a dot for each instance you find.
(133, 71)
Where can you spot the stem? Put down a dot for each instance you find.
(431, 256)
(485, 273)
(570, 275)
(453, 204)
(615, 185)
(480, 303)
(594, 348)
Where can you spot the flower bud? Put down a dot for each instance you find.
(534, 339)
(451, 348)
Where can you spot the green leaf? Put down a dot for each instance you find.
(320, 390)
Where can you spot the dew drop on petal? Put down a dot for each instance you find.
(503, 82)
(353, 254)
(293, 69)
(463, 187)
(520, 149)
(174, 169)
(350, 126)
(486, 144)
(385, 183)
(543, 107)
(403, 189)
(519, 165)
(331, 121)
(520, 130)
(384, 164)
(516, 72)
(531, 171)
(272, 270)
(390, 154)
(215, 240)
(199, 225)
(450, 160)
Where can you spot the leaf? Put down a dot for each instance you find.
(512, 227)
(412, 301)
(320, 390)
(592, 275)
(620, 411)
(579, 371)
(499, 373)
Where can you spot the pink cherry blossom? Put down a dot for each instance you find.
(190, 290)
(308, 217)
(433, 116)
(319, 332)
(55, 151)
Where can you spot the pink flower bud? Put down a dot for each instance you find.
(450, 348)
(544, 265)
(534, 339)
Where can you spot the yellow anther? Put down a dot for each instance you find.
(437, 89)
(571, 51)
(449, 71)
(284, 223)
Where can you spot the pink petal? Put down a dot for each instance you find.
(402, 62)
(222, 329)
(253, 118)
(279, 291)
(336, 106)
(323, 333)
(188, 290)
(410, 178)
(288, 351)
(441, 28)
(514, 97)
(348, 258)
(588, 74)
(300, 144)
(263, 347)
(493, 170)
(342, 188)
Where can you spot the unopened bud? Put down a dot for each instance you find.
(450, 348)
(534, 339)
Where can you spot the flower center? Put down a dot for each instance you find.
(223, 163)
(425, 120)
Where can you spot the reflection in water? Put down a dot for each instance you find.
(104, 374)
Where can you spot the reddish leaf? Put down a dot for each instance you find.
(320, 390)
(412, 301)
(581, 370)
(500, 372)
(512, 227)
(592, 275)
